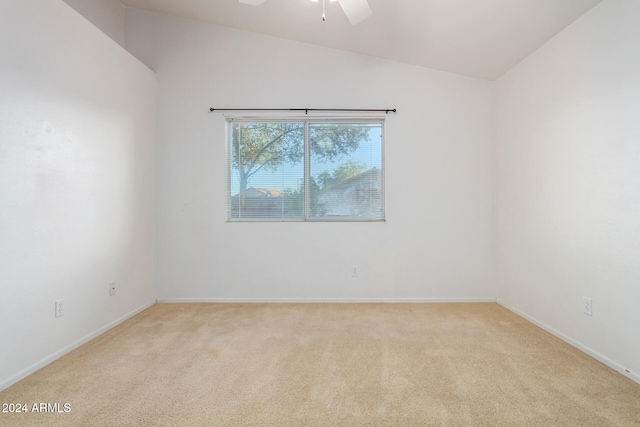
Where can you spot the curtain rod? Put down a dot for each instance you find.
(306, 110)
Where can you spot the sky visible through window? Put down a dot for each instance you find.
(291, 177)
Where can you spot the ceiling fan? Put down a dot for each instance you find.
(356, 10)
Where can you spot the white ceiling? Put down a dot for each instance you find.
(477, 38)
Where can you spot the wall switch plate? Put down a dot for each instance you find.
(112, 289)
(355, 271)
(586, 306)
(59, 307)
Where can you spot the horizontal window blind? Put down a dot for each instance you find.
(313, 170)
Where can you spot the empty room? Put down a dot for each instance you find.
(319, 212)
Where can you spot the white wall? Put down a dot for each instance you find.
(568, 174)
(77, 167)
(438, 242)
(107, 15)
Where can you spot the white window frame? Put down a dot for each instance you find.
(307, 120)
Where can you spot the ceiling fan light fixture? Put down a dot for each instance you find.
(356, 10)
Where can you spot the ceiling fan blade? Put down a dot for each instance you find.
(252, 2)
(356, 10)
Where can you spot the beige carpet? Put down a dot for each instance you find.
(325, 365)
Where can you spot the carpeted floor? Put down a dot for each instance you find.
(325, 365)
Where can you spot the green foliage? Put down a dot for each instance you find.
(331, 141)
(342, 172)
(269, 145)
(266, 145)
(293, 203)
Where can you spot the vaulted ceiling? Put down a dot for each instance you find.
(477, 38)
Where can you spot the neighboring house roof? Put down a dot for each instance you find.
(261, 192)
(360, 195)
(259, 203)
(368, 176)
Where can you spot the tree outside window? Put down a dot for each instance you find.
(305, 170)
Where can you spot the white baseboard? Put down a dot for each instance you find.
(58, 354)
(599, 357)
(324, 300)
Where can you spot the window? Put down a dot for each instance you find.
(305, 170)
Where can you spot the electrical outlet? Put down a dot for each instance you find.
(59, 307)
(112, 289)
(586, 306)
(355, 271)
